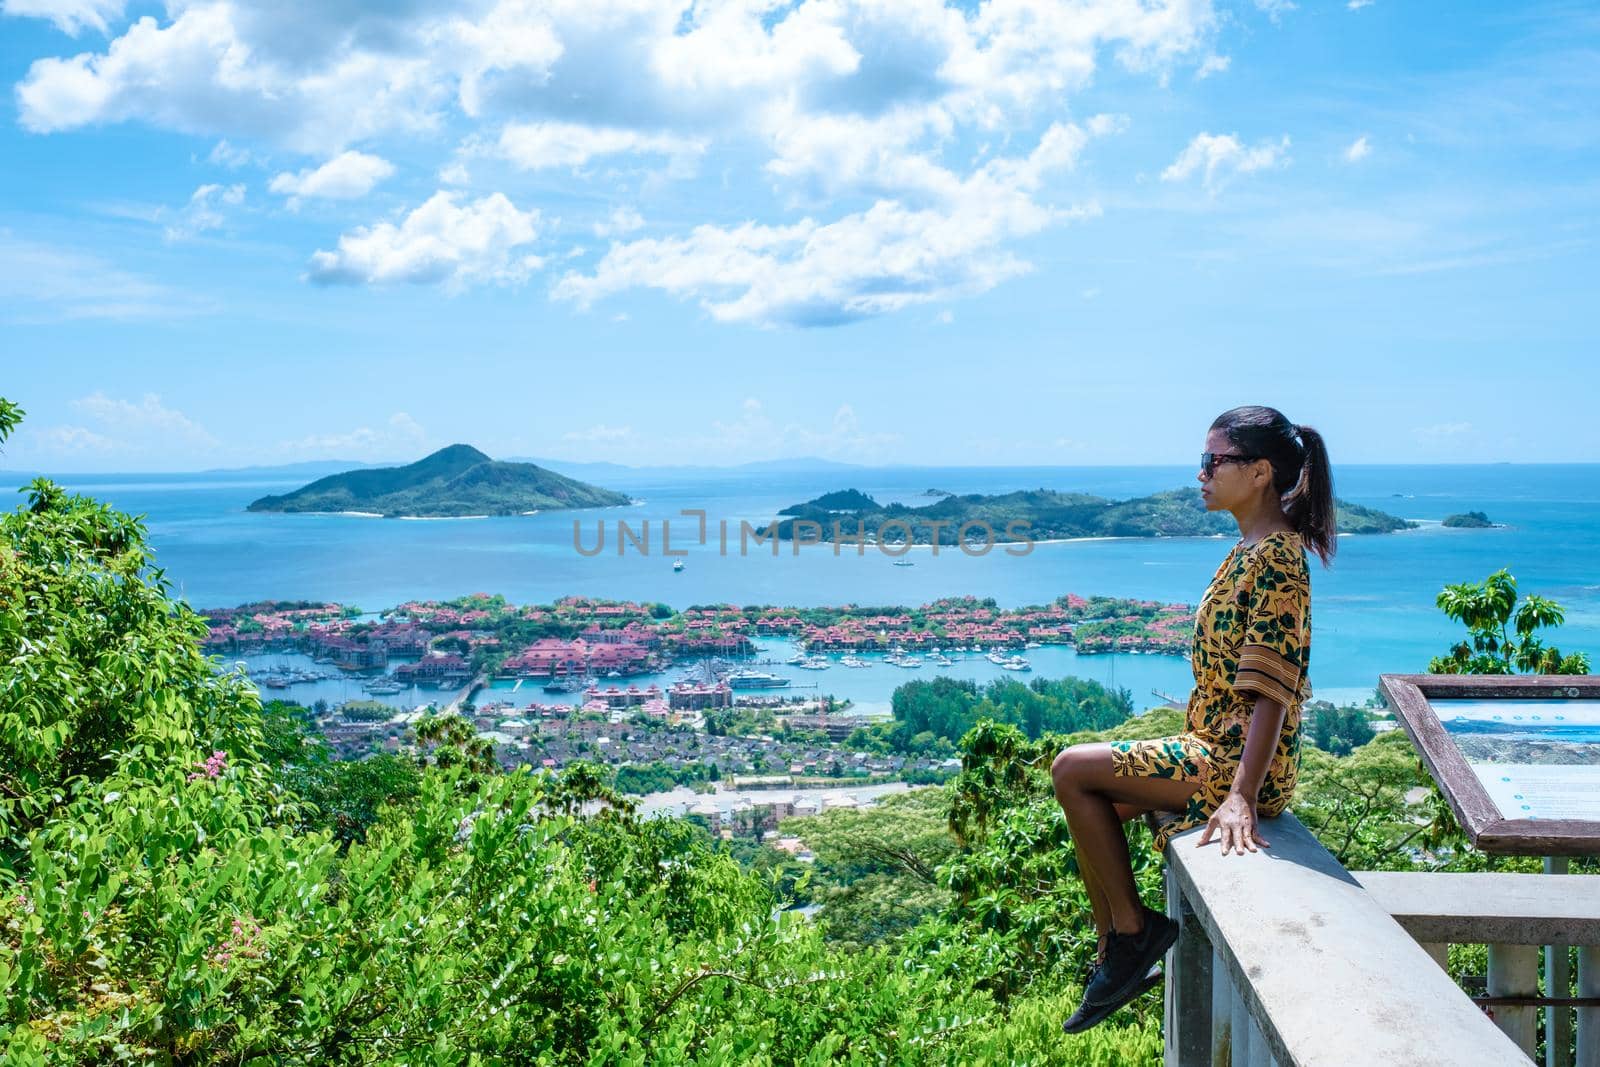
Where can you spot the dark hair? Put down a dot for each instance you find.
(1300, 471)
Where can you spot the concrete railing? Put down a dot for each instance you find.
(1285, 958)
(1514, 915)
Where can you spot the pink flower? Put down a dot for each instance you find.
(212, 767)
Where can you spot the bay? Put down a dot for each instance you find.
(1373, 611)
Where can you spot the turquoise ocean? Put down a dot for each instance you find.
(1373, 610)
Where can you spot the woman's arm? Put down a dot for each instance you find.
(1236, 818)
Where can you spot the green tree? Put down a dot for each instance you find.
(450, 741)
(1361, 806)
(874, 872)
(1503, 637)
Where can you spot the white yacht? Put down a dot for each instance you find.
(746, 679)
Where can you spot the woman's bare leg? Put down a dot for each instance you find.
(1099, 906)
(1089, 793)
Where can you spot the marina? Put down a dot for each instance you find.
(1374, 609)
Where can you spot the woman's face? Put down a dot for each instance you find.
(1230, 485)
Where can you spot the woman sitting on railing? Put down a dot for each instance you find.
(1240, 749)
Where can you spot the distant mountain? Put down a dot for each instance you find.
(454, 481)
(1039, 515)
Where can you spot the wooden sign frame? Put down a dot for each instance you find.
(1410, 697)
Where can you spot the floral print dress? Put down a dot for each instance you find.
(1252, 636)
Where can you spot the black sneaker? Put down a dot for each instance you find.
(1088, 1015)
(1126, 970)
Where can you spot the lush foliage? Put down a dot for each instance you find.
(1337, 730)
(928, 710)
(1503, 637)
(657, 776)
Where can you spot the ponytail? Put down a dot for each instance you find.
(1309, 504)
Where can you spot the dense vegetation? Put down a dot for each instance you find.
(1036, 514)
(187, 878)
(458, 480)
(931, 715)
(1468, 520)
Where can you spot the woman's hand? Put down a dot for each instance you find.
(1236, 821)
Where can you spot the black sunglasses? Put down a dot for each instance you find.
(1209, 460)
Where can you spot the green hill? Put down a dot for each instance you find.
(1470, 520)
(454, 481)
(1042, 514)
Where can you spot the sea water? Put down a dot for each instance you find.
(1373, 611)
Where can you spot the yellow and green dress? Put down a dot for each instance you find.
(1252, 635)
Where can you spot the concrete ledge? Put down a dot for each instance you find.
(1490, 909)
(1332, 979)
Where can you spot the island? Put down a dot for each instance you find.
(454, 482)
(1470, 520)
(1032, 514)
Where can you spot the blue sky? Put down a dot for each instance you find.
(882, 231)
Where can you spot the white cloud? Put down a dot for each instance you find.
(1357, 5)
(439, 242)
(347, 176)
(401, 438)
(148, 414)
(217, 68)
(1358, 150)
(224, 154)
(1218, 157)
(70, 16)
(1276, 9)
(1213, 64)
(842, 98)
(945, 317)
(73, 441)
(144, 421)
(623, 220)
(204, 210)
(867, 263)
(536, 145)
